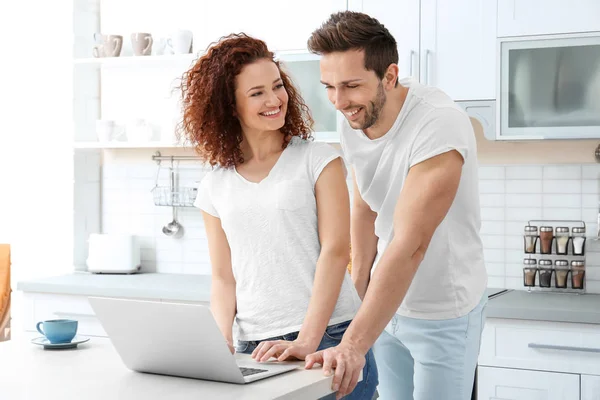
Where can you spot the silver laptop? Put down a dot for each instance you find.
(175, 339)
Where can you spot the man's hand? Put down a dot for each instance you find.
(230, 345)
(347, 362)
(283, 350)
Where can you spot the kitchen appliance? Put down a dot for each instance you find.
(549, 87)
(113, 254)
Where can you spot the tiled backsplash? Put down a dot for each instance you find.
(514, 194)
(510, 196)
(128, 206)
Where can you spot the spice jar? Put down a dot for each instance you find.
(578, 241)
(562, 239)
(545, 267)
(529, 271)
(577, 274)
(546, 236)
(530, 238)
(561, 272)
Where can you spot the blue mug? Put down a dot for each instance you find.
(58, 330)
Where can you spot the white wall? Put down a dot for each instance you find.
(35, 140)
(35, 136)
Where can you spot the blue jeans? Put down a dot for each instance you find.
(333, 336)
(429, 359)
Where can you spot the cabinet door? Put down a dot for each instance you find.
(513, 384)
(590, 387)
(458, 47)
(524, 17)
(401, 18)
(282, 25)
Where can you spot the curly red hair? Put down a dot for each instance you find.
(208, 98)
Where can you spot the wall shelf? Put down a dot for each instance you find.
(126, 145)
(126, 61)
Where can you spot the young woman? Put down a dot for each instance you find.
(275, 208)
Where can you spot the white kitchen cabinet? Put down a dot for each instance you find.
(458, 47)
(283, 25)
(450, 45)
(513, 384)
(543, 17)
(401, 18)
(45, 306)
(538, 345)
(590, 387)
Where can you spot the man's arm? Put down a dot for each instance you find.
(364, 241)
(426, 197)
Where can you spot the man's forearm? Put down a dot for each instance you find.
(387, 289)
(223, 306)
(364, 248)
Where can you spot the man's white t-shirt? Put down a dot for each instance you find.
(451, 279)
(273, 235)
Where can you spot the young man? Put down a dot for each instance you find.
(418, 258)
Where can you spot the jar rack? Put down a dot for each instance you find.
(554, 261)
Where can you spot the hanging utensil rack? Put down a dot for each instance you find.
(168, 196)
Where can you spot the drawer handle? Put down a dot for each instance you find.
(64, 314)
(565, 348)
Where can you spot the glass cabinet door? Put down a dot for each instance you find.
(550, 87)
(306, 76)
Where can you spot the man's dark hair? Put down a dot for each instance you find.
(349, 30)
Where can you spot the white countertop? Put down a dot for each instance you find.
(555, 307)
(94, 371)
(183, 287)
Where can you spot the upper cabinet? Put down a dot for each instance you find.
(284, 25)
(401, 18)
(541, 17)
(450, 45)
(458, 47)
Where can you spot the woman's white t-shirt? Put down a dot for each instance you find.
(272, 232)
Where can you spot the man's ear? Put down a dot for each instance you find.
(391, 76)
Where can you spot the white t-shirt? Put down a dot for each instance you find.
(272, 232)
(452, 277)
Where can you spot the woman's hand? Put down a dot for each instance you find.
(230, 345)
(283, 350)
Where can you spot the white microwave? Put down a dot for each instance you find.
(549, 87)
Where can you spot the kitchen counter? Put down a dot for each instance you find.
(554, 307)
(94, 371)
(182, 287)
(515, 304)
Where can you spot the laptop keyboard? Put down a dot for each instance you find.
(251, 371)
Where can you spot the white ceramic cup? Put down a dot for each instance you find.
(105, 130)
(139, 131)
(180, 42)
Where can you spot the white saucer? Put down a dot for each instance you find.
(42, 341)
